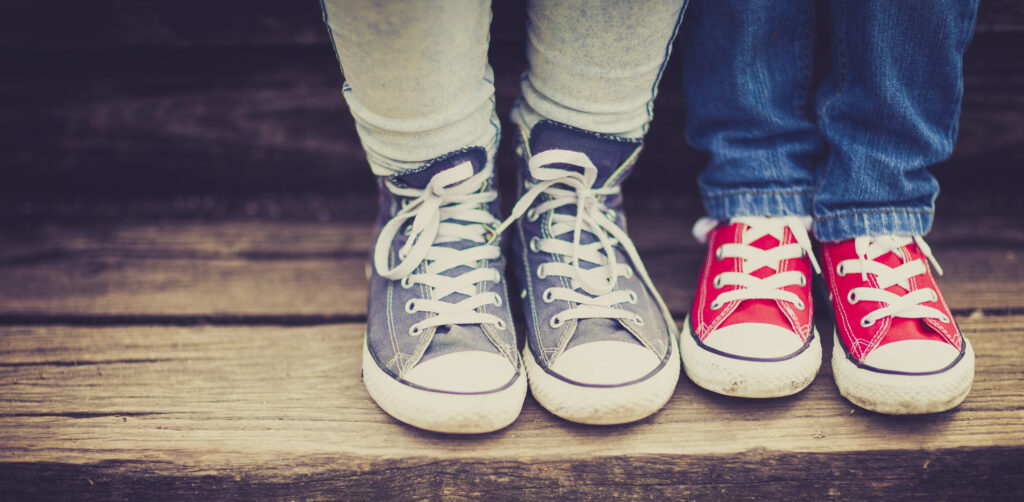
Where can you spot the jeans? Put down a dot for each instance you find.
(418, 83)
(852, 152)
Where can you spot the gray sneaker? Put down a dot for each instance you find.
(440, 350)
(599, 338)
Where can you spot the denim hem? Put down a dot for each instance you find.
(882, 221)
(723, 206)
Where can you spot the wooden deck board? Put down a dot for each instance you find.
(149, 399)
(287, 405)
(303, 269)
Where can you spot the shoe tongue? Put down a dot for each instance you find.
(608, 153)
(420, 177)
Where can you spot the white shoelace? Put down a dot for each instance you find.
(751, 287)
(907, 305)
(452, 208)
(592, 289)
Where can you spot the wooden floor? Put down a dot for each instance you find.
(221, 358)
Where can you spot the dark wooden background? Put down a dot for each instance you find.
(209, 103)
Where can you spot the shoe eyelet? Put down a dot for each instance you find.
(851, 298)
(405, 203)
(407, 230)
(715, 305)
(719, 254)
(497, 300)
(944, 319)
(540, 272)
(633, 298)
(864, 323)
(406, 282)
(533, 245)
(800, 305)
(639, 321)
(531, 215)
(803, 281)
(548, 296)
(935, 297)
(840, 270)
(628, 272)
(415, 330)
(556, 321)
(410, 307)
(501, 324)
(717, 283)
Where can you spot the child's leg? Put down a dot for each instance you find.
(747, 72)
(595, 65)
(888, 110)
(747, 77)
(600, 345)
(440, 349)
(416, 77)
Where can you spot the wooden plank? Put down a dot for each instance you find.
(128, 410)
(287, 269)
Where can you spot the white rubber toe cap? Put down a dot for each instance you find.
(606, 363)
(756, 340)
(912, 356)
(469, 371)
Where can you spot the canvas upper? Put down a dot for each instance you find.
(400, 337)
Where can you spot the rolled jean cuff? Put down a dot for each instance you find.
(883, 221)
(726, 205)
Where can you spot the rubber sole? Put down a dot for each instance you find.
(737, 377)
(603, 405)
(898, 394)
(443, 411)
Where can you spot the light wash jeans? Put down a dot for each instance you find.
(418, 83)
(852, 152)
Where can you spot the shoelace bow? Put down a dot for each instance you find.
(450, 209)
(593, 288)
(749, 286)
(907, 305)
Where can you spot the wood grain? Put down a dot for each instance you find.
(287, 269)
(129, 410)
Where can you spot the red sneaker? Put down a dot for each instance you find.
(751, 331)
(897, 348)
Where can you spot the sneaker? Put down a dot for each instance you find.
(897, 348)
(440, 351)
(599, 345)
(751, 330)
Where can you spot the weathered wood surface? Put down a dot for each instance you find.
(265, 411)
(308, 272)
(169, 360)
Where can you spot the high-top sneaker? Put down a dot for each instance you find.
(751, 330)
(897, 348)
(599, 344)
(440, 350)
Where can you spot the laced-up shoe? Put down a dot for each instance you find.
(599, 343)
(897, 348)
(751, 330)
(440, 351)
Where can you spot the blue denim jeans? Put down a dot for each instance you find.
(852, 152)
